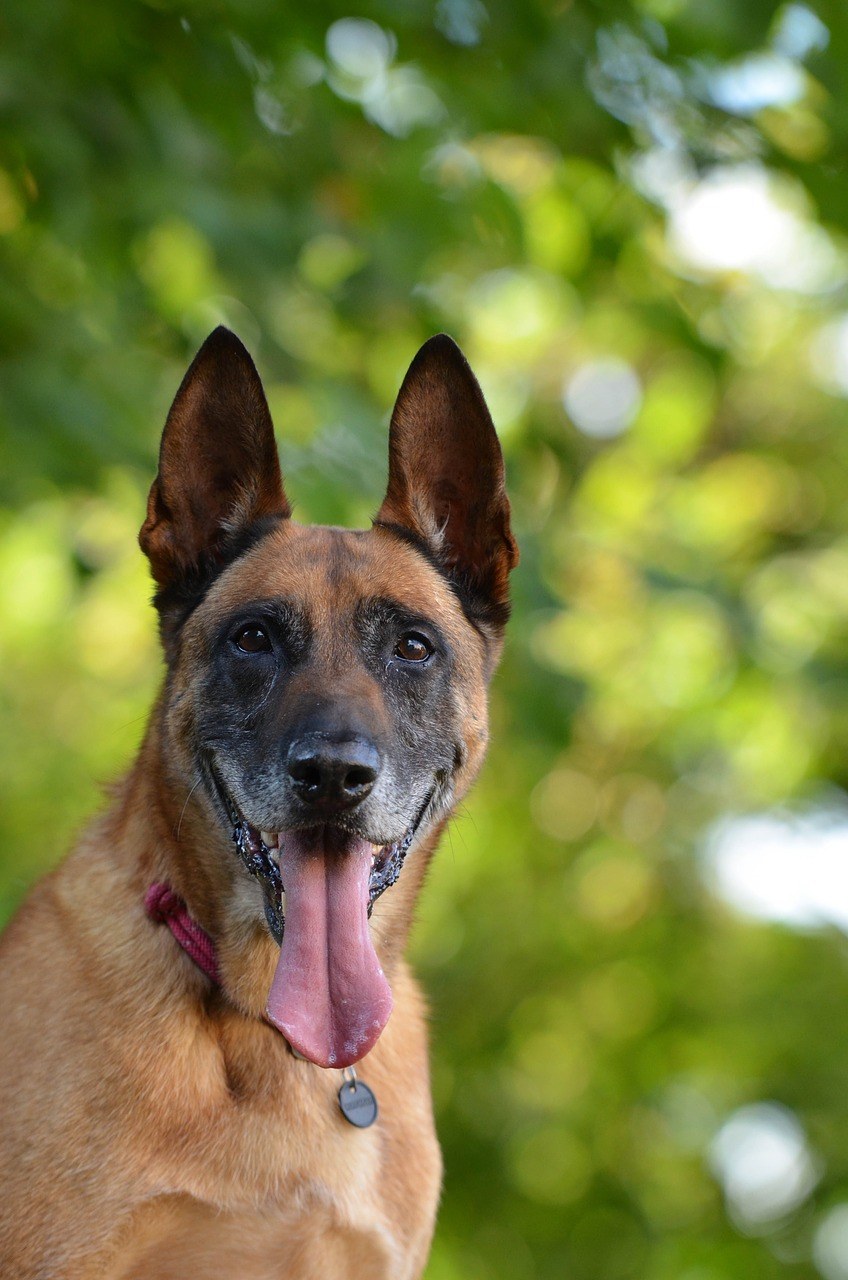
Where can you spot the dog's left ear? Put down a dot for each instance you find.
(446, 478)
(219, 474)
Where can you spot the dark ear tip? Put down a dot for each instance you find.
(442, 348)
(223, 340)
(222, 351)
(441, 341)
(440, 364)
(441, 357)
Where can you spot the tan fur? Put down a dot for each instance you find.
(154, 1126)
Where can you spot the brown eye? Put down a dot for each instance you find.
(253, 640)
(413, 648)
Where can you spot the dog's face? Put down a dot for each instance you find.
(328, 687)
(328, 690)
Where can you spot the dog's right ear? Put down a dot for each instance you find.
(219, 476)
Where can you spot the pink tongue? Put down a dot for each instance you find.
(329, 997)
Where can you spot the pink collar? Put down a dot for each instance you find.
(166, 907)
(356, 1101)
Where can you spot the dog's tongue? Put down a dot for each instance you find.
(329, 997)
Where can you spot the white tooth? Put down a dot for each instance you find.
(268, 839)
(283, 901)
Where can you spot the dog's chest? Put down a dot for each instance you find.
(294, 1191)
(177, 1236)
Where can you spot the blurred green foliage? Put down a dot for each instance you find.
(632, 215)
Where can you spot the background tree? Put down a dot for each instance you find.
(632, 216)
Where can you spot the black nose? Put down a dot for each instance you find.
(331, 774)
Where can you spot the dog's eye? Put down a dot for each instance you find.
(413, 647)
(252, 639)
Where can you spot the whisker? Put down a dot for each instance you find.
(185, 806)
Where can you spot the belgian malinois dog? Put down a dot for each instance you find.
(185, 998)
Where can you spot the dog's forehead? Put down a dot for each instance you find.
(329, 572)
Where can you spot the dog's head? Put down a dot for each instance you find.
(327, 687)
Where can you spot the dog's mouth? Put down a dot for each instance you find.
(329, 996)
(260, 852)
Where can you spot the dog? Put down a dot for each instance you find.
(213, 984)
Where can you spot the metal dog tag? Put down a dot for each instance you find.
(357, 1102)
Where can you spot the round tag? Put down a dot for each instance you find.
(358, 1104)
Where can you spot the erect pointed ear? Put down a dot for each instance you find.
(446, 478)
(219, 474)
